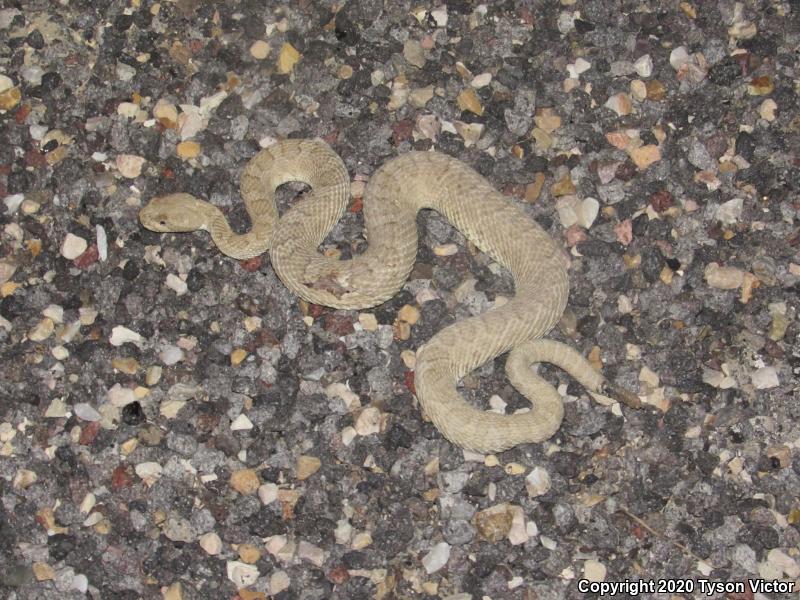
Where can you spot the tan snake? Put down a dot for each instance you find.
(393, 196)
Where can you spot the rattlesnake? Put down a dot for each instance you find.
(393, 196)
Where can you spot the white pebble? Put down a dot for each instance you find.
(86, 412)
(120, 396)
(177, 284)
(241, 423)
(538, 482)
(579, 66)
(481, 80)
(57, 409)
(369, 421)
(594, 570)
(242, 574)
(149, 470)
(129, 165)
(122, 335)
(311, 553)
(679, 57)
(211, 543)
(80, 583)
(268, 493)
(278, 582)
(644, 66)
(13, 202)
(723, 278)
(729, 212)
(436, 558)
(6, 83)
(439, 16)
(73, 246)
(171, 355)
(102, 242)
(765, 378)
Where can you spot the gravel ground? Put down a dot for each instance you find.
(176, 424)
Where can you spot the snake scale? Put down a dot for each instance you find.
(393, 197)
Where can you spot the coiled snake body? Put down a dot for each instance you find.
(394, 195)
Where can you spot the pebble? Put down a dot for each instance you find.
(420, 97)
(469, 132)
(439, 16)
(249, 553)
(23, 479)
(73, 246)
(494, 523)
(310, 553)
(594, 570)
(679, 57)
(241, 423)
(268, 493)
(43, 572)
(241, 574)
(639, 90)
(120, 396)
(729, 212)
(368, 321)
(10, 98)
(547, 119)
(211, 543)
(538, 482)
(427, 127)
(761, 86)
(307, 466)
(259, 50)
(481, 80)
(149, 472)
(237, 356)
(787, 565)
(173, 592)
(572, 211)
(643, 66)
(765, 378)
(176, 284)
(414, 53)
(468, 100)
(178, 529)
(6, 83)
(245, 481)
(369, 421)
(42, 330)
(767, 109)
(723, 278)
(86, 412)
(288, 58)
(620, 103)
(278, 582)
(408, 313)
(644, 156)
(581, 65)
(170, 408)
(122, 335)
(655, 90)
(166, 113)
(130, 165)
(188, 149)
(171, 355)
(436, 558)
(446, 250)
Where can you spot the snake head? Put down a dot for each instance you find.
(174, 213)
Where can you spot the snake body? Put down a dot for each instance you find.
(395, 193)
